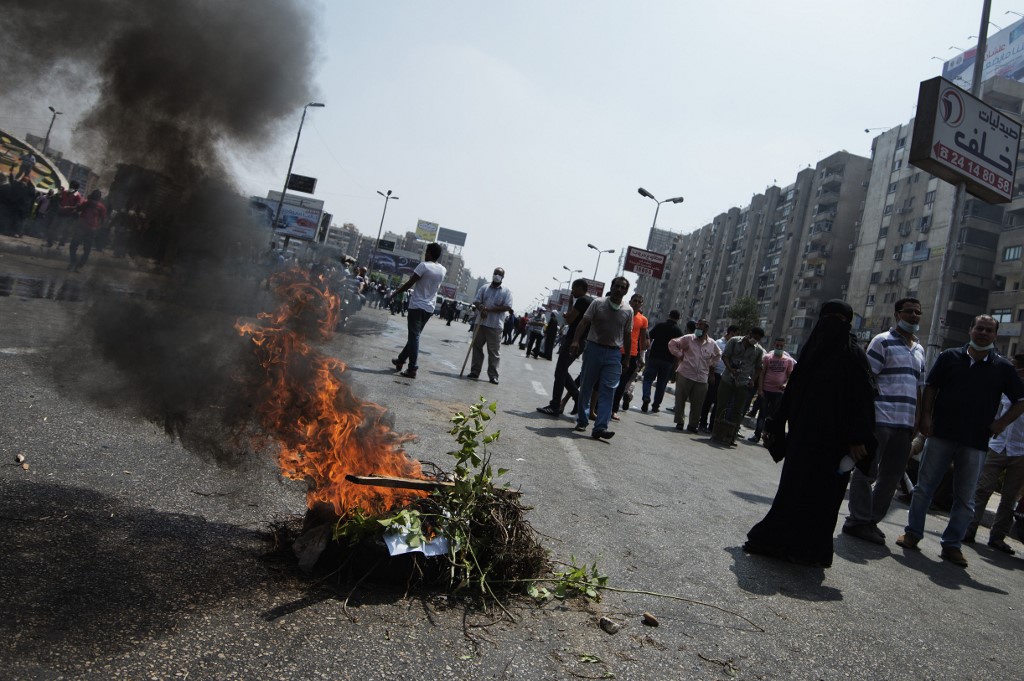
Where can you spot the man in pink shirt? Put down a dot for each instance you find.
(697, 354)
(775, 370)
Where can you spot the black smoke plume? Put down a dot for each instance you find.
(176, 83)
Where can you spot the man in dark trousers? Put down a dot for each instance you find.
(660, 362)
(563, 381)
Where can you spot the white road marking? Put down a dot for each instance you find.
(578, 462)
(18, 351)
(538, 388)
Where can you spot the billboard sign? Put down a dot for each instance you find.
(43, 174)
(450, 236)
(447, 291)
(299, 217)
(960, 138)
(301, 183)
(385, 245)
(1004, 57)
(395, 263)
(426, 231)
(594, 288)
(644, 262)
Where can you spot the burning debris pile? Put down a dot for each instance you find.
(361, 486)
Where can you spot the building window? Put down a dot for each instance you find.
(892, 187)
(876, 277)
(887, 210)
(926, 222)
(901, 142)
(915, 271)
(870, 301)
(883, 232)
(879, 254)
(930, 197)
(1002, 315)
(1011, 253)
(897, 164)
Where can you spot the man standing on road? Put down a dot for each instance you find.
(660, 362)
(961, 396)
(697, 353)
(608, 327)
(775, 370)
(639, 342)
(742, 359)
(708, 413)
(425, 281)
(1005, 459)
(91, 216)
(897, 361)
(566, 356)
(492, 302)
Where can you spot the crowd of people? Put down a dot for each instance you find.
(839, 416)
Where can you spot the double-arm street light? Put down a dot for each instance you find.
(280, 203)
(599, 252)
(373, 258)
(646, 194)
(46, 142)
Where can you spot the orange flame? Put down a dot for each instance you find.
(324, 431)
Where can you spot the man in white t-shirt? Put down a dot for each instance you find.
(425, 281)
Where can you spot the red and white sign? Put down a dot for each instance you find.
(960, 138)
(594, 288)
(643, 262)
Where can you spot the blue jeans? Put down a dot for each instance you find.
(417, 319)
(602, 368)
(658, 371)
(935, 460)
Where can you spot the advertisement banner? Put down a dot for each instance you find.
(390, 263)
(43, 175)
(644, 262)
(447, 291)
(1004, 56)
(594, 288)
(960, 138)
(426, 231)
(299, 217)
(450, 236)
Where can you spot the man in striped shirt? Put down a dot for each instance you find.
(897, 360)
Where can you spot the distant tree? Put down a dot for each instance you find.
(743, 313)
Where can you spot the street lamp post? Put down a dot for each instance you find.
(46, 142)
(280, 203)
(646, 194)
(599, 252)
(380, 230)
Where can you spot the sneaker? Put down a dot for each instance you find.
(755, 438)
(579, 429)
(954, 556)
(908, 541)
(494, 380)
(864, 532)
(1000, 545)
(645, 406)
(549, 410)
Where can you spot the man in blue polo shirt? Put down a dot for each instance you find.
(958, 412)
(897, 360)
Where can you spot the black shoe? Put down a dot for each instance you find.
(969, 539)
(754, 438)
(625, 403)
(1000, 545)
(680, 426)
(575, 409)
(549, 410)
(409, 373)
(864, 532)
(494, 380)
(398, 364)
(602, 435)
(473, 376)
(691, 429)
(656, 410)
(645, 406)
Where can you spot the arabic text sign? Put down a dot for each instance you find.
(644, 262)
(595, 288)
(427, 231)
(961, 139)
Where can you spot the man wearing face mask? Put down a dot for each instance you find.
(958, 415)
(743, 358)
(492, 303)
(697, 355)
(776, 368)
(897, 361)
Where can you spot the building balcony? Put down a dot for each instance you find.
(831, 182)
(817, 255)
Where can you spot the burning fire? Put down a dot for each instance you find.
(324, 431)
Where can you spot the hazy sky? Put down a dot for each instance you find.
(530, 124)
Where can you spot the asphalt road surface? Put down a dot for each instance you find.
(124, 556)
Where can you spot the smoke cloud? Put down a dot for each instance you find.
(176, 83)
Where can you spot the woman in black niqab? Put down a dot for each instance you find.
(829, 408)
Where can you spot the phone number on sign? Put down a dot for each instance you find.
(979, 171)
